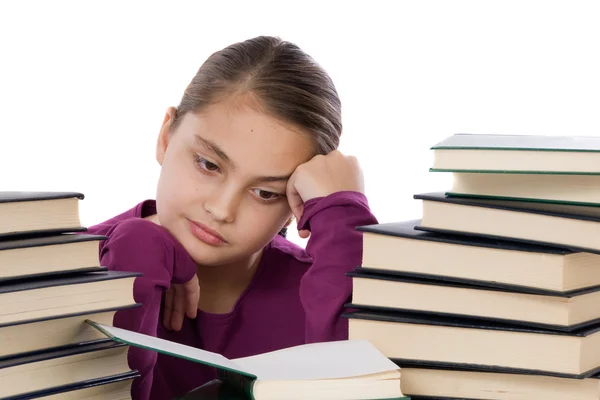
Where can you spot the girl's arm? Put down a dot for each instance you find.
(142, 246)
(336, 248)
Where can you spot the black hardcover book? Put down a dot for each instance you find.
(24, 213)
(475, 324)
(548, 224)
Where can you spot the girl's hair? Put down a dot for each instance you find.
(288, 84)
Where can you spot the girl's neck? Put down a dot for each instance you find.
(229, 274)
(221, 286)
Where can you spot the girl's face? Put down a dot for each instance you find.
(223, 180)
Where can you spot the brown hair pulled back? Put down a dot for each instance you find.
(288, 83)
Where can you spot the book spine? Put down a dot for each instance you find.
(238, 381)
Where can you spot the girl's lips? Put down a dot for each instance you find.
(206, 234)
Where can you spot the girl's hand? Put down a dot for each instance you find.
(320, 177)
(181, 300)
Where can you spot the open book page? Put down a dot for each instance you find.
(329, 360)
(166, 347)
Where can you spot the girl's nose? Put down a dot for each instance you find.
(222, 205)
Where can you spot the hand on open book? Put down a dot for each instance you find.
(181, 300)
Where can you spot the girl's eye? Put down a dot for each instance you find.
(205, 164)
(266, 195)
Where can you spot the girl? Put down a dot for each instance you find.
(251, 144)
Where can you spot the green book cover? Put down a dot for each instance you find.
(518, 154)
(465, 141)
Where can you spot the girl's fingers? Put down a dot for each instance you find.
(293, 197)
(178, 309)
(304, 233)
(192, 296)
(181, 300)
(168, 308)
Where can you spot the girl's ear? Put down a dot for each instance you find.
(164, 136)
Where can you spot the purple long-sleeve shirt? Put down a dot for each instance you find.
(296, 296)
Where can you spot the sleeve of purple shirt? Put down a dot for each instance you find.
(335, 247)
(142, 246)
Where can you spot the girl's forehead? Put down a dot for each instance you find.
(246, 135)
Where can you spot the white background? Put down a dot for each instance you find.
(84, 84)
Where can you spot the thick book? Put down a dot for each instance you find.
(22, 377)
(565, 311)
(576, 228)
(41, 256)
(116, 387)
(399, 248)
(330, 370)
(28, 300)
(65, 330)
(545, 188)
(518, 154)
(29, 213)
(422, 382)
(471, 343)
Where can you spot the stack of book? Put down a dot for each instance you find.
(50, 283)
(494, 293)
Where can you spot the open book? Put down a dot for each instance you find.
(349, 369)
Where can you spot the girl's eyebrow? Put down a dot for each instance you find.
(281, 178)
(212, 146)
